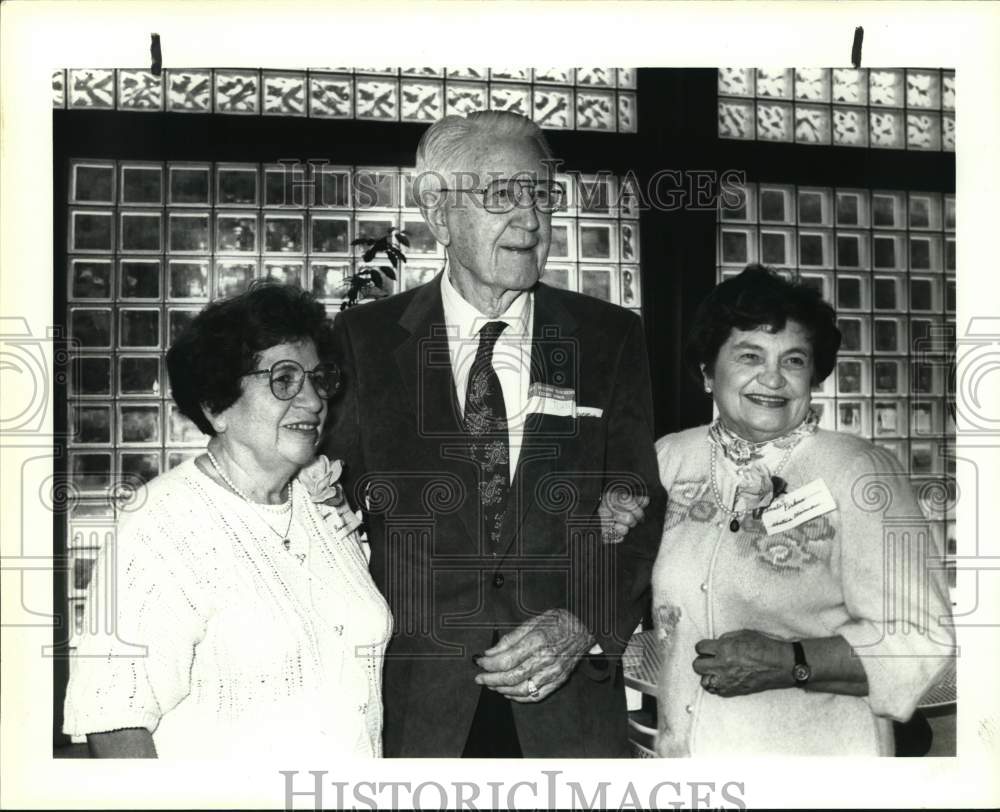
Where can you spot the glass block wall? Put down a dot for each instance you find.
(886, 261)
(150, 243)
(602, 99)
(885, 108)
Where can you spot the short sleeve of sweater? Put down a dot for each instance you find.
(893, 585)
(132, 665)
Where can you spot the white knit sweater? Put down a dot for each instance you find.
(248, 652)
(865, 571)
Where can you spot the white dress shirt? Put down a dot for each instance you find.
(511, 354)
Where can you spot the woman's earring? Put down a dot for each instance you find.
(708, 389)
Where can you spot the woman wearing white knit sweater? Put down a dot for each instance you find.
(796, 593)
(245, 621)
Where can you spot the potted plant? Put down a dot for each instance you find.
(368, 282)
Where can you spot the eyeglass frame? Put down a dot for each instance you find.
(306, 373)
(556, 184)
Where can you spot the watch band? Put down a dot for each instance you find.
(801, 672)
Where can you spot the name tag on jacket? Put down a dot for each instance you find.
(544, 398)
(798, 507)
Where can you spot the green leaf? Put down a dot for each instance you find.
(388, 271)
(369, 255)
(403, 238)
(376, 277)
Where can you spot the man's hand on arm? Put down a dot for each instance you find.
(533, 661)
(620, 511)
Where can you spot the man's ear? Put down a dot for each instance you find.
(436, 218)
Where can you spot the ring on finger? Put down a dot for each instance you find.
(533, 691)
(712, 682)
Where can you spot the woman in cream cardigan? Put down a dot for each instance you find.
(795, 594)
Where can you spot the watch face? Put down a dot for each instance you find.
(801, 673)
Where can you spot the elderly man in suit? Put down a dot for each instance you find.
(484, 415)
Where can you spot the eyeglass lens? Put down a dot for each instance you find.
(287, 378)
(504, 194)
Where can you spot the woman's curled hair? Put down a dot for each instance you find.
(760, 297)
(207, 361)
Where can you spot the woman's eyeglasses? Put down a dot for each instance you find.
(287, 377)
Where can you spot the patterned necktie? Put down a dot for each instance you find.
(485, 421)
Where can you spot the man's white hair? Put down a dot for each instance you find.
(448, 146)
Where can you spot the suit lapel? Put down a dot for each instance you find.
(424, 364)
(554, 363)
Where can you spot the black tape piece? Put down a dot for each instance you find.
(156, 66)
(859, 36)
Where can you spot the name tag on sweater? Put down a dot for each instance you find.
(798, 507)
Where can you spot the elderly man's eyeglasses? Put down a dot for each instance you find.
(506, 194)
(287, 377)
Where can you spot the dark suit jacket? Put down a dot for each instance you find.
(398, 428)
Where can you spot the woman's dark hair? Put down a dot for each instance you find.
(223, 342)
(759, 297)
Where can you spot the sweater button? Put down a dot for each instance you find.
(689, 708)
(704, 587)
(498, 580)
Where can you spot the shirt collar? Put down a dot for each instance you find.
(459, 313)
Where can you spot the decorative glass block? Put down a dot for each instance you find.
(91, 88)
(284, 234)
(598, 282)
(233, 276)
(948, 133)
(948, 90)
(422, 71)
(886, 129)
(189, 185)
(631, 287)
(138, 469)
(562, 245)
(889, 377)
(887, 295)
(189, 233)
(139, 279)
(331, 96)
(140, 231)
(885, 88)
(93, 183)
(774, 122)
(91, 374)
(373, 228)
(332, 187)
(284, 94)
(91, 472)
(923, 89)
(626, 77)
(468, 73)
(466, 97)
(377, 99)
(189, 91)
(139, 328)
(774, 247)
(559, 276)
(141, 185)
(597, 240)
(140, 90)
(563, 76)
(812, 84)
(736, 81)
(736, 246)
(812, 124)
(328, 279)
(595, 110)
(287, 273)
(237, 91)
(285, 185)
(511, 74)
(59, 88)
(90, 279)
(852, 417)
(422, 101)
(596, 77)
(330, 235)
(814, 249)
(421, 238)
(91, 231)
(376, 188)
(91, 424)
(178, 319)
(553, 107)
(852, 250)
(236, 185)
(512, 98)
(139, 375)
(91, 328)
(236, 232)
(188, 280)
(850, 126)
(736, 119)
(850, 86)
(630, 242)
(923, 131)
(774, 83)
(387, 70)
(182, 429)
(627, 121)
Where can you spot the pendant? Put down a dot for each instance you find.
(734, 525)
(286, 543)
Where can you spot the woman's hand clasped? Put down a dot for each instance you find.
(743, 662)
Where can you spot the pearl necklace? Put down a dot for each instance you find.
(288, 505)
(736, 516)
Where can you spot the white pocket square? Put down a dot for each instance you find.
(589, 411)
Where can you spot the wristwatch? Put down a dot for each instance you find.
(801, 672)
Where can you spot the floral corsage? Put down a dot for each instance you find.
(320, 479)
